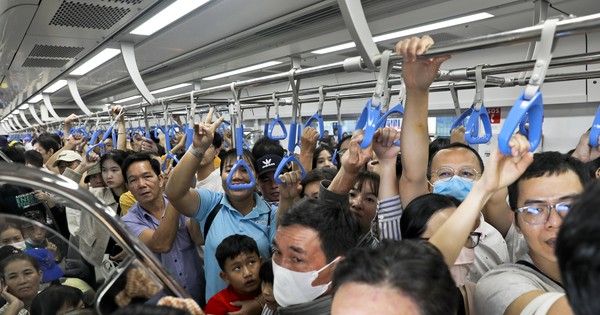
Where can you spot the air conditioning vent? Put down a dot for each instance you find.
(129, 2)
(49, 51)
(45, 63)
(83, 15)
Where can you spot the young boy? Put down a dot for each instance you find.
(240, 262)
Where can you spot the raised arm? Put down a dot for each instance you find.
(308, 144)
(500, 172)
(161, 240)
(184, 198)
(387, 153)
(122, 135)
(72, 142)
(418, 75)
(289, 191)
(352, 162)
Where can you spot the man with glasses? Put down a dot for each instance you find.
(540, 199)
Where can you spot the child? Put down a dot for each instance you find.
(240, 262)
(266, 275)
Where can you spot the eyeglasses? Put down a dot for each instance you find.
(473, 240)
(445, 173)
(341, 152)
(539, 214)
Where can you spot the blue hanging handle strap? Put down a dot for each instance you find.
(369, 116)
(276, 121)
(530, 102)
(238, 144)
(107, 133)
(479, 113)
(189, 126)
(318, 116)
(595, 131)
(292, 139)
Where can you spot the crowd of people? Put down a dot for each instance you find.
(414, 228)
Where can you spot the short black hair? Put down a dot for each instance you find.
(547, 164)
(231, 154)
(413, 268)
(337, 227)
(266, 272)
(367, 178)
(266, 145)
(34, 158)
(592, 166)
(234, 245)
(140, 157)
(578, 252)
(437, 144)
(318, 151)
(317, 175)
(47, 141)
(417, 213)
(15, 154)
(454, 145)
(53, 298)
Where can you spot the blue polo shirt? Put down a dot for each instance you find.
(227, 222)
(182, 261)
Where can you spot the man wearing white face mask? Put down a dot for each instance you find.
(312, 237)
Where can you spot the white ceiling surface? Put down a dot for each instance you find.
(225, 35)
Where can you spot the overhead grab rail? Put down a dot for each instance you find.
(290, 157)
(238, 144)
(338, 105)
(530, 102)
(318, 116)
(277, 121)
(398, 109)
(476, 113)
(108, 132)
(370, 115)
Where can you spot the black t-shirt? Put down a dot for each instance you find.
(21, 201)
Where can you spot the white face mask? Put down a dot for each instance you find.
(19, 245)
(293, 287)
(462, 265)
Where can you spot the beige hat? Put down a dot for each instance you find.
(67, 156)
(92, 171)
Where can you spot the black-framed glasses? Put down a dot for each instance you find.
(473, 240)
(445, 173)
(539, 213)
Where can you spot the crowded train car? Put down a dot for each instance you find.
(306, 157)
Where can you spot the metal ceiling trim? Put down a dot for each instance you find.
(128, 53)
(72, 83)
(22, 113)
(34, 114)
(49, 107)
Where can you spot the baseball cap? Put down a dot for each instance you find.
(267, 163)
(92, 171)
(67, 156)
(50, 270)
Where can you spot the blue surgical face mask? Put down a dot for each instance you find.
(456, 187)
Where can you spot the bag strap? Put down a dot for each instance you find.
(532, 266)
(211, 218)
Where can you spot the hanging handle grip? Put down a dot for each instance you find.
(368, 120)
(398, 109)
(277, 121)
(535, 109)
(460, 121)
(239, 135)
(595, 131)
(472, 127)
(319, 120)
(189, 135)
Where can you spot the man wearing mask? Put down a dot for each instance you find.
(452, 170)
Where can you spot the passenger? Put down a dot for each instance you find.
(578, 252)
(312, 237)
(51, 272)
(46, 146)
(21, 277)
(363, 204)
(36, 237)
(34, 159)
(57, 300)
(540, 199)
(67, 159)
(235, 211)
(453, 170)
(311, 184)
(94, 178)
(11, 234)
(397, 276)
(341, 148)
(268, 188)
(322, 157)
(207, 174)
(156, 223)
(266, 276)
(240, 263)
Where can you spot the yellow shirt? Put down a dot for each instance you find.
(126, 201)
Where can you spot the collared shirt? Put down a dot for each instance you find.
(389, 214)
(182, 261)
(227, 222)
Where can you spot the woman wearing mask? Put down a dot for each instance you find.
(21, 277)
(11, 234)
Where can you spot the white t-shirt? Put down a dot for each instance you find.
(497, 289)
(490, 252)
(212, 182)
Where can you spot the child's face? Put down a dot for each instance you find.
(267, 292)
(241, 272)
